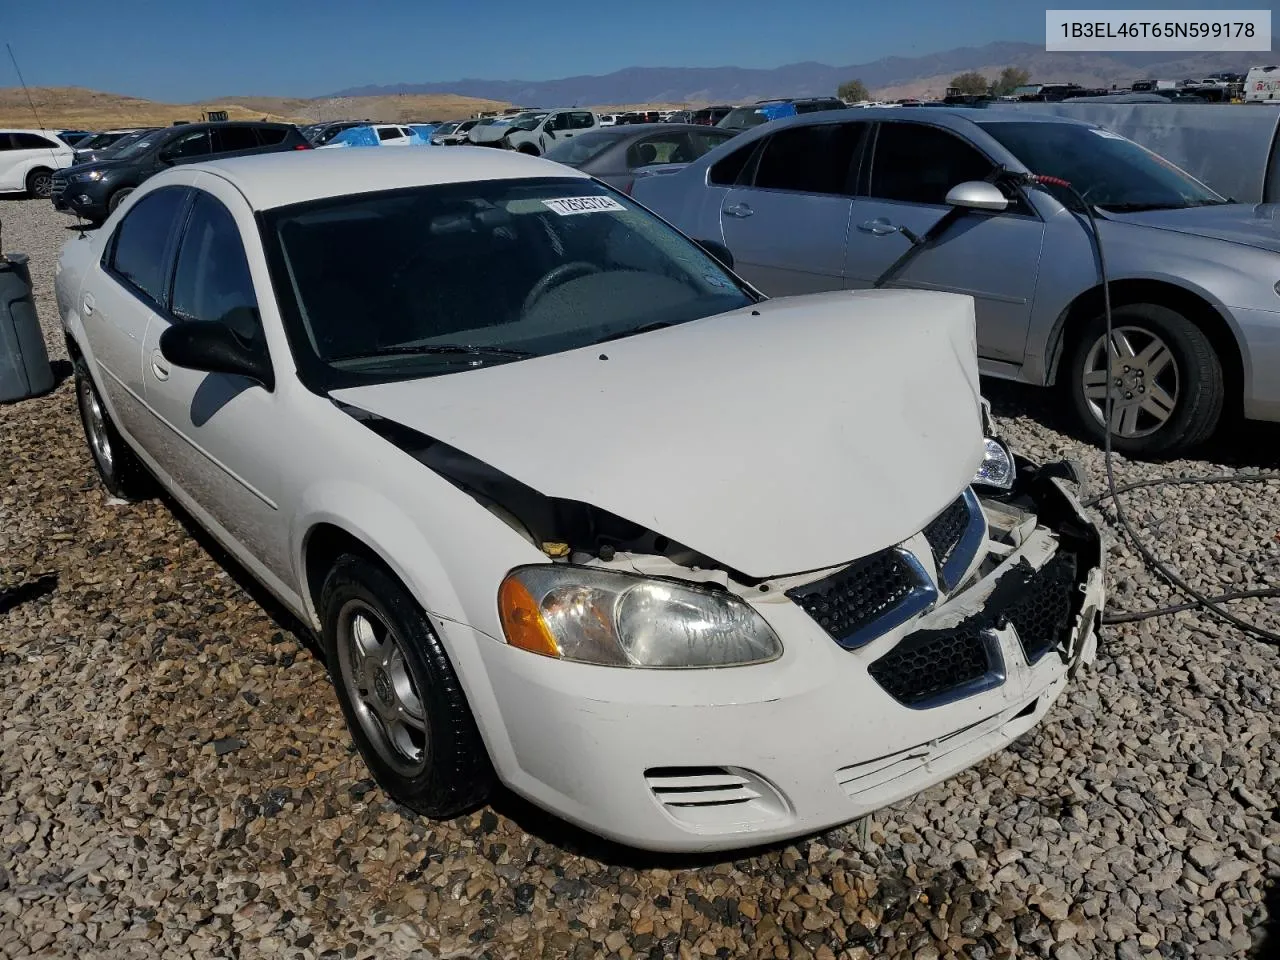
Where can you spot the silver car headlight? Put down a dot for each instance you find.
(997, 469)
(624, 620)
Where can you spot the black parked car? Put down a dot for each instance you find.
(103, 145)
(94, 190)
(619, 154)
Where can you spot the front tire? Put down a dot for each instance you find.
(402, 700)
(119, 468)
(1166, 381)
(118, 198)
(40, 184)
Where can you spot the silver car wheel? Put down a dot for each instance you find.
(42, 185)
(1144, 380)
(95, 421)
(381, 689)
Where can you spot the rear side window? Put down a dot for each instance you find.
(662, 148)
(917, 163)
(812, 159)
(388, 133)
(270, 136)
(137, 251)
(230, 139)
(581, 121)
(212, 281)
(31, 141)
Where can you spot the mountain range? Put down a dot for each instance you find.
(887, 77)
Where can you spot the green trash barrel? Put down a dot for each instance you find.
(24, 361)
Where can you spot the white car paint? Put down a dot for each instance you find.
(558, 125)
(23, 152)
(792, 437)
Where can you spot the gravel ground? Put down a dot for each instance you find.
(176, 780)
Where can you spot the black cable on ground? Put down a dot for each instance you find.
(1199, 600)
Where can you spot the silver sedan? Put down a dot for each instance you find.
(831, 201)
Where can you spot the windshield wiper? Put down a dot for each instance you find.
(632, 331)
(1141, 207)
(442, 349)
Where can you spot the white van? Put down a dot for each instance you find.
(28, 159)
(1262, 85)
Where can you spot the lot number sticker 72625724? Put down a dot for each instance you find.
(568, 206)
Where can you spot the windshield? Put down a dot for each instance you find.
(445, 128)
(743, 117)
(1107, 170)
(140, 143)
(527, 123)
(99, 140)
(401, 284)
(582, 148)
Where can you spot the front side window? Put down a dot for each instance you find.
(400, 284)
(194, 144)
(212, 280)
(728, 171)
(918, 163)
(559, 122)
(388, 133)
(811, 159)
(581, 121)
(136, 253)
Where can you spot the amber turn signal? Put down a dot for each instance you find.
(522, 620)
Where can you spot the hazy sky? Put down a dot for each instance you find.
(193, 49)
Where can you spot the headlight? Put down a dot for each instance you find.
(997, 469)
(93, 175)
(599, 616)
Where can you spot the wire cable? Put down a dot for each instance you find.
(1212, 605)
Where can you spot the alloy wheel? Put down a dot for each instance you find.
(42, 185)
(1144, 381)
(95, 422)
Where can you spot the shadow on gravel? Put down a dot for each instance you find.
(1269, 946)
(1239, 443)
(33, 589)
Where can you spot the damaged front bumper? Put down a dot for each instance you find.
(849, 719)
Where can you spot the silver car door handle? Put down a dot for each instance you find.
(878, 227)
(89, 305)
(738, 210)
(159, 369)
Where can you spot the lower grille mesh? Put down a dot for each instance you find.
(858, 595)
(1043, 612)
(930, 663)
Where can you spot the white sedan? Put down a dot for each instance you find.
(572, 507)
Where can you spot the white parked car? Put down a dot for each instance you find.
(556, 127)
(689, 567)
(28, 159)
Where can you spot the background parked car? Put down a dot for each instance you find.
(376, 135)
(102, 145)
(743, 118)
(710, 116)
(321, 133)
(555, 126)
(94, 190)
(620, 155)
(73, 138)
(491, 133)
(821, 203)
(28, 159)
(607, 119)
(457, 135)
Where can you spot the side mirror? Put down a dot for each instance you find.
(719, 251)
(977, 195)
(212, 347)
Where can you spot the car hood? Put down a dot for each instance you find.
(1252, 224)
(791, 436)
(489, 132)
(106, 166)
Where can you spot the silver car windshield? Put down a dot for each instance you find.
(401, 283)
(1108, 170)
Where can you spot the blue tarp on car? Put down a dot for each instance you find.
(424, 130)
(356, 137)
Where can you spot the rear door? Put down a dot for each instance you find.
(995, 258)
(233, 139)
(787, 221)
(122, 297)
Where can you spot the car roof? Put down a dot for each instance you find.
(47, 133)
(640, 129)
(279, 179)
(933, 114)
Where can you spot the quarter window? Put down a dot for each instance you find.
(230, 139)
(31, 141)
(137, 251)
(270, 136)
(212, 281)
(917, 163)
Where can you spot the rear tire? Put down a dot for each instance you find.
(40, 184)
(1169, 395)
(119, 468)
(403, 703)
(118, 198)
(530, 149)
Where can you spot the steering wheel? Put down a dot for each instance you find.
(556, 276)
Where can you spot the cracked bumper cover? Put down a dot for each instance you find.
(718, 759)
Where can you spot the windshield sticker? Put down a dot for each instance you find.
(568, 206)
(1107, 134)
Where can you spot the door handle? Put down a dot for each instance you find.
(738, 210)
(89, 304)
(159, 368)
(879, 227)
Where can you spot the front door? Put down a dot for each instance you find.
(995, 258)
(116, 312)
(219, 436)
(786, 222)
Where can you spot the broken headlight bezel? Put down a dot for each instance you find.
(608, 618)
(998, 469)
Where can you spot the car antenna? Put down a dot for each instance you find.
(31, 103)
